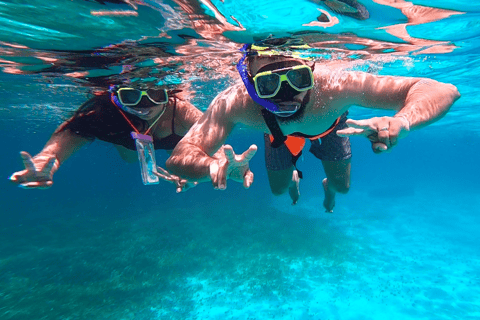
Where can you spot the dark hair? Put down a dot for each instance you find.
(99, 118)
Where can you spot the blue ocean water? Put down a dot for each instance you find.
(402, 244)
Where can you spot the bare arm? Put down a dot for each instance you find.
(62, 144)
(39, 170)
(186, 116)
(427, 101)
(420, 101)
(193, 155)
(200, 156)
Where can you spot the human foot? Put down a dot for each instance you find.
(294, 188)
(329, 202)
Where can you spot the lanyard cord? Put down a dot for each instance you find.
(131, 124)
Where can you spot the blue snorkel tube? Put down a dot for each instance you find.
(242, 70)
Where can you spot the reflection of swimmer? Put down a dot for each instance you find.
(284, 95)
(350, 8)
(111, 117)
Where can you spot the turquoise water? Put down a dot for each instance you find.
(402, 244)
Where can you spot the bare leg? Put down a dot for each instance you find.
(337, 180)
(283, 180)
(329, 200)
(294, 188)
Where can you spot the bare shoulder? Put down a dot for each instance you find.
(232, 104)
(377, 91)
(331, 78)
(338, 79)
(187, 110)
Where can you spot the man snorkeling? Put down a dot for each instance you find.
(132, 118)
(286, 96)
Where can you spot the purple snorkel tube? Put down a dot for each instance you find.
(242, 70)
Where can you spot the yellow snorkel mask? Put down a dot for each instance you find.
(267, 84)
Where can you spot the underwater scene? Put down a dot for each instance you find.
(401, 241)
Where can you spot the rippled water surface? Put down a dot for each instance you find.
(402, 244)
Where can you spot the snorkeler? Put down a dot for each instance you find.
(133, 119)
(284, 96)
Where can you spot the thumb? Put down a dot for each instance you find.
(379, 147)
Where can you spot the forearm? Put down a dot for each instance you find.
(199, 151)
(62, 145)
(427, 101)
(190, 162)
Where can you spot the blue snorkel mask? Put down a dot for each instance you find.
(267, 104)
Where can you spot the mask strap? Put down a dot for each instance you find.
(242, 70)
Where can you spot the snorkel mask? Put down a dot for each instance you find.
(268, 84)
(128, 99)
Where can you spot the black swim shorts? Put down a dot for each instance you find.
(331, 148)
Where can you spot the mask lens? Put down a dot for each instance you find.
(158, 95)
(267, 84)
(129, 97)
(300, 78)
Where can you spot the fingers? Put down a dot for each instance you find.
(228, 150)
(393, 140)
(366, 124)
(17, 177)
(36, 185)
(248, 155)
(163, 174)
(389, 130)
(356, 128)
(248, 179)
(350, 132)
(47, 169)
(397, 130)
(379, 147)
(240, 159)
(383, 132)
(383, 137)
(218, 174)
(163, 171)
(31, 174)
(187, 186)
(27, 161)
(222, 175)
(181, 185)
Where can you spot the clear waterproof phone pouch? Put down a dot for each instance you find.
(146, 157)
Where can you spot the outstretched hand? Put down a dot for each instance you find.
(38, 172)
(182, 185)
(233, 167)
(383, 132)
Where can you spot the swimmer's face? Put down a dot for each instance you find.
(287, 97)
(146, 109)
(147, 104)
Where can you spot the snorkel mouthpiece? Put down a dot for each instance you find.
(286, 109)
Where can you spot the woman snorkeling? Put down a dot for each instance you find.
(136, 120)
